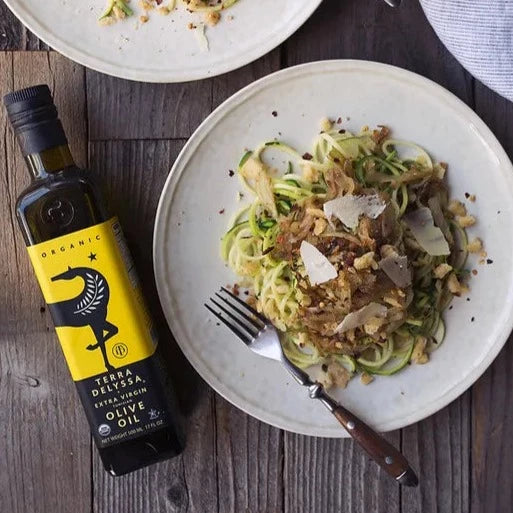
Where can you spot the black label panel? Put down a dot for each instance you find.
(125, 403)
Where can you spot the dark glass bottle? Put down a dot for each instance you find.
(88, 280)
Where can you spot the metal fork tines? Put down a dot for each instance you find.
(241, 318)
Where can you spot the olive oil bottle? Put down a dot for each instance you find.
(89, 282)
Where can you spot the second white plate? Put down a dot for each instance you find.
(164, 49)
(200, 194)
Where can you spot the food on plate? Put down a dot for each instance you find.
(120, 9)
(353, 251)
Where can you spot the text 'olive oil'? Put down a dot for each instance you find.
(91, 287)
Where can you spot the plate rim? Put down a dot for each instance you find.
(95, 63)
(173, 179)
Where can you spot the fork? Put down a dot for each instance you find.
(259, 334)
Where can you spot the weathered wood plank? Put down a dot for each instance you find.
(439, 448)
(492, 400)
(492, 437)
(30, 41)
(249, 462)
(14, 36)
(327, 475)
(226, 85)
(10, 30)
(134, 173)
(121, 109)
(45, 440)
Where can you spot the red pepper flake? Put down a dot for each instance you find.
(339, 120)
(231, 172)
(307, 156)
(221, 211)
(235, 289)
(274, 113)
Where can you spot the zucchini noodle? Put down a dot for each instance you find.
(262, 246)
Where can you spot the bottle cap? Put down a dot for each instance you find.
(34, 118)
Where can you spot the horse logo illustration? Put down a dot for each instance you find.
(89, 308)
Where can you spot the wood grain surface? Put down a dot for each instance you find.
(129, 134)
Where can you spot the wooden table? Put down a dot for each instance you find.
(129, 134)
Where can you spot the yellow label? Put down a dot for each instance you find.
(89, 282)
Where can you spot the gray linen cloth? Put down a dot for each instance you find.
(479, 33)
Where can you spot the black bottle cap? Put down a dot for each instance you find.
(34, 118)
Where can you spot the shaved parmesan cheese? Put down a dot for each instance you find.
(349, 208)
(360, 317)
(318, 267)
(396, 268)
(430, 238)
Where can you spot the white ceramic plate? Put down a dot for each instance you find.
(164, 49)
(188, 228)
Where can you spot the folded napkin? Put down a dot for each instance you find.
(479, 33)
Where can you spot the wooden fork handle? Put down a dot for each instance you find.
(381, 451)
